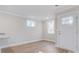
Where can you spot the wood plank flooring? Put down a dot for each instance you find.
(36, 47)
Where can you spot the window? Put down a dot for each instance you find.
(67, 20)
(51, 27)
(30, 23)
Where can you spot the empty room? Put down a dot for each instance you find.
(39, 28)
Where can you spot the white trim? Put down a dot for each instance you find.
(50, 40)
(19, 43)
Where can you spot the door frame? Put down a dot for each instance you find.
(64, 15)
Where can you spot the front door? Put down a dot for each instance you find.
(66, 31)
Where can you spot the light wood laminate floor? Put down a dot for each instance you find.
(35, 47)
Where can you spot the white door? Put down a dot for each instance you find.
(66, 31)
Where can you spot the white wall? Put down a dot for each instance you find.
(15, 28)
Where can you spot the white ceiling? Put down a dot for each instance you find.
(34, 11)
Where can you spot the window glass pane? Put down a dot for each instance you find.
(30, 23)
(67, 20)
(51, 27)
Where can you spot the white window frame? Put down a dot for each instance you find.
(30, 23)
(67, 20)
